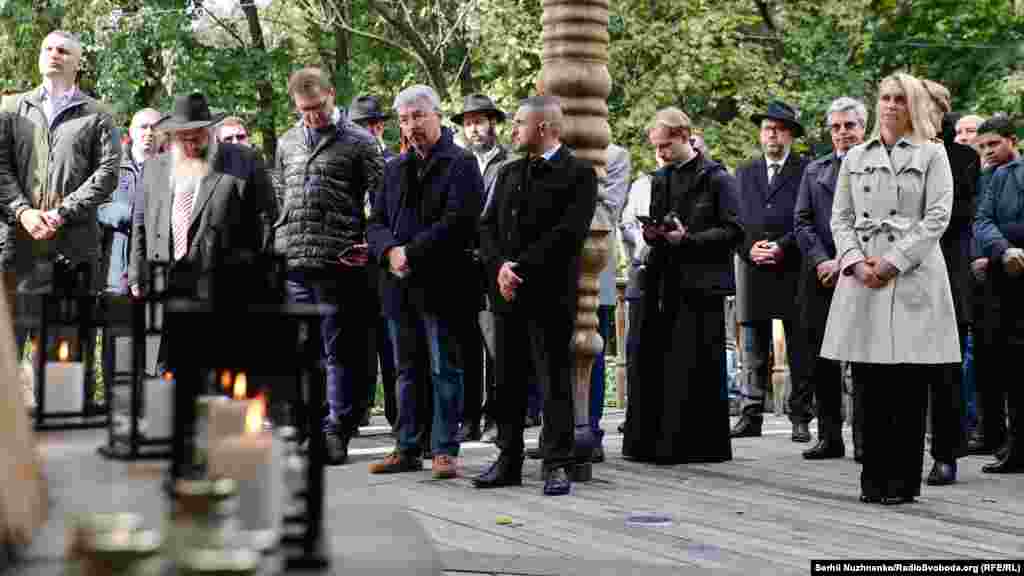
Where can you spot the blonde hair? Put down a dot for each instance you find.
(918, 107)
(672, 119)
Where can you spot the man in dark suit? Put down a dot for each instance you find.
(423, 221)
(531, 237)
(768, 268)
(202, 202)
(847, 120)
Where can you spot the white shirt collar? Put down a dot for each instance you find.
(486, 157)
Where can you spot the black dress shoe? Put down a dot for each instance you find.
(747, 427)
(1004, 450)
(507, 470)
(557, 482)
(896, 500)
(942, 474)
(824, 450)
(858, 455)
(801, 432)
(1004, 466)
(622, 428)
(490, 435)
(870, 499)
(471, 433)
(534, 453)
(336, 448)
(597, 456)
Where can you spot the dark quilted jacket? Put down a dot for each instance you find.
(321, 193)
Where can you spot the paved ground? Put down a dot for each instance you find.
(768, 512)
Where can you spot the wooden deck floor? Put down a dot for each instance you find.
(766, 512)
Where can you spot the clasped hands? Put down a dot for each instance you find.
(398, 263)
(41, 225)
(874, 272)
(1013, 262)
(765, 253)
(672, 230)
(508, 281)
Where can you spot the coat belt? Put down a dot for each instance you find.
(874, 226)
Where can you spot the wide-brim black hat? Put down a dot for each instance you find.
(783, 113)
(365, 108)
(190, 111)
(479, 103)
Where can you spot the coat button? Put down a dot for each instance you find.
(892, 238)
(867, 188)
(892, 212)
(864, 238)
(768, 205)
(866, 215)
(514, 212)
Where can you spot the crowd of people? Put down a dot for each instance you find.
(450, 267)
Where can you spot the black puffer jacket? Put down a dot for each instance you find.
(321, 192)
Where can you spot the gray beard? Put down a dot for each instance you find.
(182, 167)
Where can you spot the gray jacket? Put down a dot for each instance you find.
(611, 195)
(115, 218)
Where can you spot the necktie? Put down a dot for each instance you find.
(181, 214)
(773, 169)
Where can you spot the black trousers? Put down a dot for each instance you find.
(948, 411)
(818, 377)
(536, 349)
(894, 404)
(756, 379)
(471, 346)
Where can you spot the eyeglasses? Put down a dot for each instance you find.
(848, 126)
(230, 138)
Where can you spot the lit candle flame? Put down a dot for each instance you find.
(225, 380)
(254, 415)
(168, 376)
(63, 351)
(240, 386)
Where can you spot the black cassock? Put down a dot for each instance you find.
(679, 410)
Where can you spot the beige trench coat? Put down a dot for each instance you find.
(895, 210)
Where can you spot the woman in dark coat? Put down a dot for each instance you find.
(679, 411)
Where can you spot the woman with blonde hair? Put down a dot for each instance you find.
(892, 315)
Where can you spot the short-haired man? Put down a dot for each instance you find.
(76, 152)
(948, 427)
(768, 268)
(115, 216)
(327, 166)
(531, 237)
(233, 131)
(997, 141)
(422, 227)
(847, 121)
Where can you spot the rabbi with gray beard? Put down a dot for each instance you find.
(202, 201)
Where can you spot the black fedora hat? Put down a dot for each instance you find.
(366, 108)
(190, 111)
(783, 113)
(479, 103)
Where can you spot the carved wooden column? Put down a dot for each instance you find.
(575, 68)
(781, 377)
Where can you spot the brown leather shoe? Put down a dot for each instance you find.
(443, 467)
(396, 462)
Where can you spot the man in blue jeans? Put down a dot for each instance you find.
(326, 166)
(421, 231)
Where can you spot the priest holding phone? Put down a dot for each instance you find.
(680, 413)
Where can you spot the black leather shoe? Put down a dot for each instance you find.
(534, 453)
(747, 427)
(1004, 466)
(801, 432)
(622, 428)
(858, 455)
(824, 450)
(507, 470)
(897, 500)
(870, 499)
(557, 482)
(1004, 450)
(490, 435)
(597, 456)
(942, 474)
(336, 448)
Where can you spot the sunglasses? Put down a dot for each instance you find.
(233, 138)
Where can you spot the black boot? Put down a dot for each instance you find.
(335, 447)
(824, 449)
(747, 427)
(801, 432)
(507, 470)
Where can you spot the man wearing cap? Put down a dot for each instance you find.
(366, 112)
(327, 167)
(76, 155)
(997, 141)
(479, 119)
(768, 268)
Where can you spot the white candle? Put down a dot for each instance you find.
(159, 403)
(254, 461)
(225, 419)
(65, 391)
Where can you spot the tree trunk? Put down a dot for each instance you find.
(343, 85)
(264, 89)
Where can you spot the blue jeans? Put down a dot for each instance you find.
(342, 352)
(407, 336)
(604, 326)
